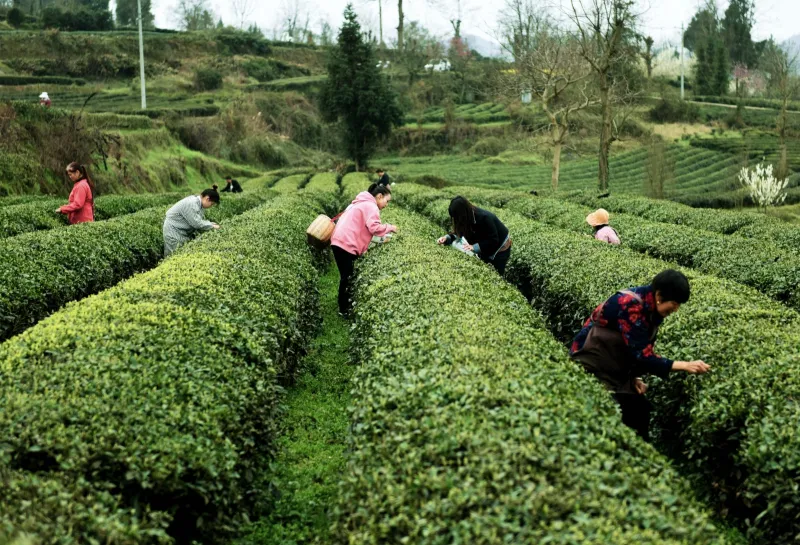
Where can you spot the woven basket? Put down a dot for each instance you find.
(320, 231)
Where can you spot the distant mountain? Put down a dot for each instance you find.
(792, 44)
(487, 48)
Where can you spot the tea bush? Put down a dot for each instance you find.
(772, 270)
(40, 214)
(470, 425)
(42, 271)
(164, 390)
(732, 426)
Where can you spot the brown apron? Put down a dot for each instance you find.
(607, 357)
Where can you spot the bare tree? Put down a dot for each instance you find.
(242, 10)
(195, 15)
(604, 30)
(296, 18)
(552, 68)
(647, 55)
(380, 20)
(520, 22)
(781, 66)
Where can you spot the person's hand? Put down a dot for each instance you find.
(215, 226)
(442, 240)
(696, 367)
(467, 247)
(58, 210)
(640, 386)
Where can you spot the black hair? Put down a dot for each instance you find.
(462, 212)
(229, 177)
(380, 170)
(673, 286)
(379, 189)
(77, 167)
(211, 194)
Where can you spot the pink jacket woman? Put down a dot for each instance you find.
(360, 222)
(353, 233)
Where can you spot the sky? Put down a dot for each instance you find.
(661, 18)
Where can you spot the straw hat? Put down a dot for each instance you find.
(44, 96)
(598, 217)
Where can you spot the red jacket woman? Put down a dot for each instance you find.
(81, 201)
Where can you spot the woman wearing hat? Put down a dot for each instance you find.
(44, 100)
(602, 231)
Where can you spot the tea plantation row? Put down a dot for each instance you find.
(41, 271)
(470, 424)
(38, 214)
(733, 427)
(757, 262)
(151, 406)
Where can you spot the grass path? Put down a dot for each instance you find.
(314, 434)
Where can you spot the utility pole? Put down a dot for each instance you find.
(141, 58)
(681, 61)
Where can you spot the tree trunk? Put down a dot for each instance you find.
(400, 24)
(605, 135)
(782, 120)
(380, 19)
(556, 166)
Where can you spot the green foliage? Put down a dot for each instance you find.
(176, 427)
(465, 408)
(737, 25)
(207, 79)
(127, 13)
(83, 19)
(27, 80)
(489, 146)
(40, 214)
(696, 32)
(42, 271)
(44, 509)
(358, 94)
(672, 110)
(726, 426)
(15, 17)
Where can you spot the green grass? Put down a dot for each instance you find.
(314, 432)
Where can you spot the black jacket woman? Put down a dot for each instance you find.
(484, 232)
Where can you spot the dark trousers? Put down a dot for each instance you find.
(500, 261)
(635, 413)
(345, 262)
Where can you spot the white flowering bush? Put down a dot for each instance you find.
(765, 189)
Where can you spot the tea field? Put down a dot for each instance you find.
(703, 173)
(217, 396)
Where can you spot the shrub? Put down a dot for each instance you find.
(173, 408)
(432, 181)
(42, 271)
(15, 17)
(727, 425)
(43, 509)
(459, 438)
(670, 110)
(207, 79)
(489, 146)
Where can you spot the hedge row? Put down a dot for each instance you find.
(734, 427)
(718, 221)
(164, 390)
(40, 214)
(30, 80)
(47, 510)
(42, 271)
(743, 224)
(470, 424)
(770, 269)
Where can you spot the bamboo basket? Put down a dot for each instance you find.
(320, 231)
